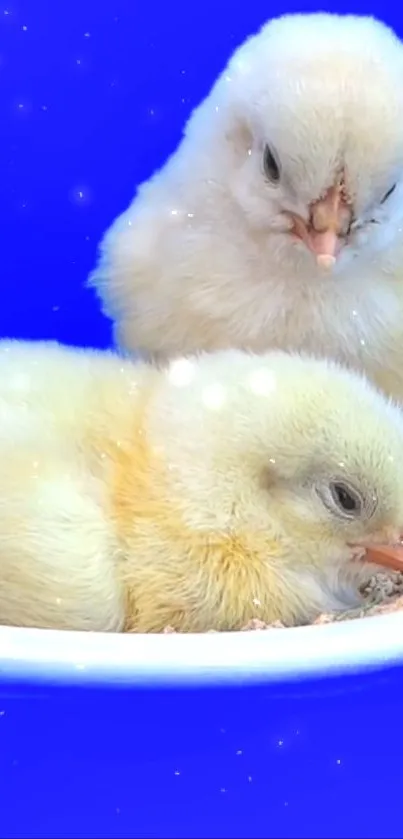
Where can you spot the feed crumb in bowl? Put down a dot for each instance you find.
(384, 585)
(256, 624)
(382, 594)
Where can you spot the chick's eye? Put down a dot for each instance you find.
(270, 166)
(346, 499)
(388, 193)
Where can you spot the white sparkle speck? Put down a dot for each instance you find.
(20, 381)
(262, 382)
(213, 396)
(181, 372)
(243, 67)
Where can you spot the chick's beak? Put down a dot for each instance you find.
(329, 222)
(389, 556)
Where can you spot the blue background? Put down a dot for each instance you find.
(293, 761)
(93, 97)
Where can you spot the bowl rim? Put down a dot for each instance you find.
(87, 658)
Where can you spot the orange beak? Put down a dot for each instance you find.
(389, 556)
(330, 218)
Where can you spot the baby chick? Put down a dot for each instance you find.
(278, 221)
(222, 488)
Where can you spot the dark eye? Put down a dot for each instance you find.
(270, 166)
(346, 499)
(388, 193)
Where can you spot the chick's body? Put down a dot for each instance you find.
(203, 258)
(197, 496)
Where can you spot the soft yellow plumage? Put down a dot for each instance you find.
(200, 495)
(204, 259)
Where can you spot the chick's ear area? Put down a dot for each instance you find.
(287, 468)
(269, 477)
(239, 136)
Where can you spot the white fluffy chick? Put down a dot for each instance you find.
(278, 221)
(223, 488)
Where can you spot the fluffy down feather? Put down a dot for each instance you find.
(214, 252)
(221, 488)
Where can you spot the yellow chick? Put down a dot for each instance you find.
(278, 221)
(221, 488)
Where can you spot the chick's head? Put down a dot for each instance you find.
(307, 126)
(294, 460)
